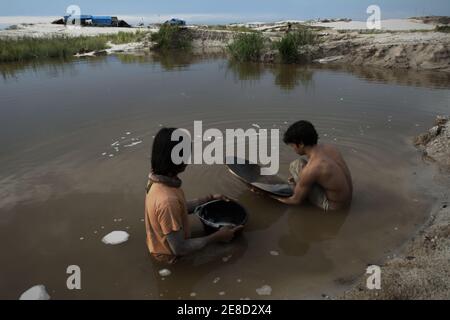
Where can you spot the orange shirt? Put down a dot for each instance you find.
(165, 212)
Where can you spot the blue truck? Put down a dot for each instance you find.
(175, 22)
(90, 20)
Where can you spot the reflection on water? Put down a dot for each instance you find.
(287, 77)
(403, 77)
(62, 192)
(51, 67)
(246, 71)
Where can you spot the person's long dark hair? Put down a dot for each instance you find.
(161, 159)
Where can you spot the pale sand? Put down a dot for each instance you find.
(392, 24)
(421, 269)
(47, 30)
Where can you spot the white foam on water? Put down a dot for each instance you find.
(216, 280)
(274, 253)
(221, 293)
(164, 272)
(115, 144)
(193, 294)
(265, 290)
(133, 144)
(38, 292)
(116, 237)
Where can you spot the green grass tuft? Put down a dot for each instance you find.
(290, 45)
(247, 47)
(62, 47)
(23, 49)
(127, 37)
(172, 37)
(445, 29)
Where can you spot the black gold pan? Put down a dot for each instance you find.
(250, 174)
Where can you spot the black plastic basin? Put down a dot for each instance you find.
(220, 213)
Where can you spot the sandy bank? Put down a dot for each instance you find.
(435, 144)
(401, 50)
(421, 269)
(397, 49)
(415, 50)
(391, 24)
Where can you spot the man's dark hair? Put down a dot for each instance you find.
(301, 132)
(162, 163)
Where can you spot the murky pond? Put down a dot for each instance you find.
(64, 186)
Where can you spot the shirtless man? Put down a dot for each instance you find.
(324, 179)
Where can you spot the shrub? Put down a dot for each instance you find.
(445, 29)
(289, 46)
(247, 47)
(172, 37)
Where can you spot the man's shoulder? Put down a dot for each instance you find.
(330, 148)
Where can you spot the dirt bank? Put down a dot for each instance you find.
(414, 50)
(435, 144)
(421, 269)
(390, 48)
(393, 50)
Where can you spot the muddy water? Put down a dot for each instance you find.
(63, 186)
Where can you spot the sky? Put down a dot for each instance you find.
(230, 10)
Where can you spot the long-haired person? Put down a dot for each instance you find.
(166, 209)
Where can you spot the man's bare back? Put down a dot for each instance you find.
(329, 170)
(325, 178)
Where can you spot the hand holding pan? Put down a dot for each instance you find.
(250, 174)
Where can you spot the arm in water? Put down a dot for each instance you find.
(302, 188)
(181, 246)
